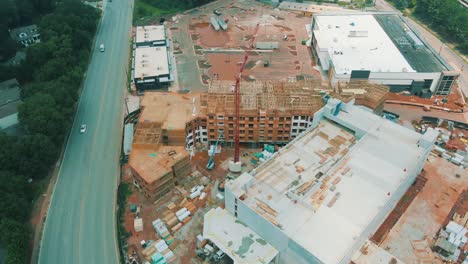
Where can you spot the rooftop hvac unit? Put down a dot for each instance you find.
(358, 33)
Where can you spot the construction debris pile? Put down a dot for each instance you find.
(452, 239)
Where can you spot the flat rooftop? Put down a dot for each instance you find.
(152, 164)
(150, 33)
(151, 62)
(422, 58)
(356, 42)
(333, 183)
(235, 239)
(311, 8)
(363, 41)
(370, 253)
(172, 110)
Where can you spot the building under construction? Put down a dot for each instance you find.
(158, 160)
(157, 171)
(321, 196)
(272, 112)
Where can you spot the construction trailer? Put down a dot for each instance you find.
(267, 45)
(214, 23)
(222, 23)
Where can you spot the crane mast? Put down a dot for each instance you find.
(237, 94)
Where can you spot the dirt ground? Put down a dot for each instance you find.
(150, 211)
(454, 99)
(412, 235)
(290, 59)
(410, 113)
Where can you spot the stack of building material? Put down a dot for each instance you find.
(157, 258)
(171, 222)
(149, 251)
(191, 208)
(163, 249)
(160, 228)
(138, 224)
(169, 240)
(196, 191)
(161, 245)
(176, 227)
(182, 214)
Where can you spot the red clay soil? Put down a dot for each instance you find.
(453, 103)
(460, 207)
(455, 142)
(209, 37)
(200, 160)
(399, 210)
(225, 66)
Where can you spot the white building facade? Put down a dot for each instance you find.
(381, 48)
(321, 196)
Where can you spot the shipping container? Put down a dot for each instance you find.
(266, 45)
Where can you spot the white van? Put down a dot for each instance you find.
(101, 47)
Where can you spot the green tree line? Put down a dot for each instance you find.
(156, 8)
(50, 78)
(447, 17)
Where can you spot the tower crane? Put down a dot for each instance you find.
(236, 166)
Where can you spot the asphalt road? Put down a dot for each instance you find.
(455, 60)
(81, 226)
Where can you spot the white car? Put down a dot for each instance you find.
(101, 47)
(82, 128)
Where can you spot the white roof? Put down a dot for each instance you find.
(358, 42)
(235, 239)
(150, 33)
(151, 61)
(370, 253)
(312, 8)
(365, 171)
(128, 138)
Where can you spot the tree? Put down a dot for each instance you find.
(401, 4)
(15, 235)
(39, 114)
(8, 152)
(14, 191)
(38, 154)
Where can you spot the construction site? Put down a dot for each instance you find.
(250, 133)
(275, 40)
(275, 112)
